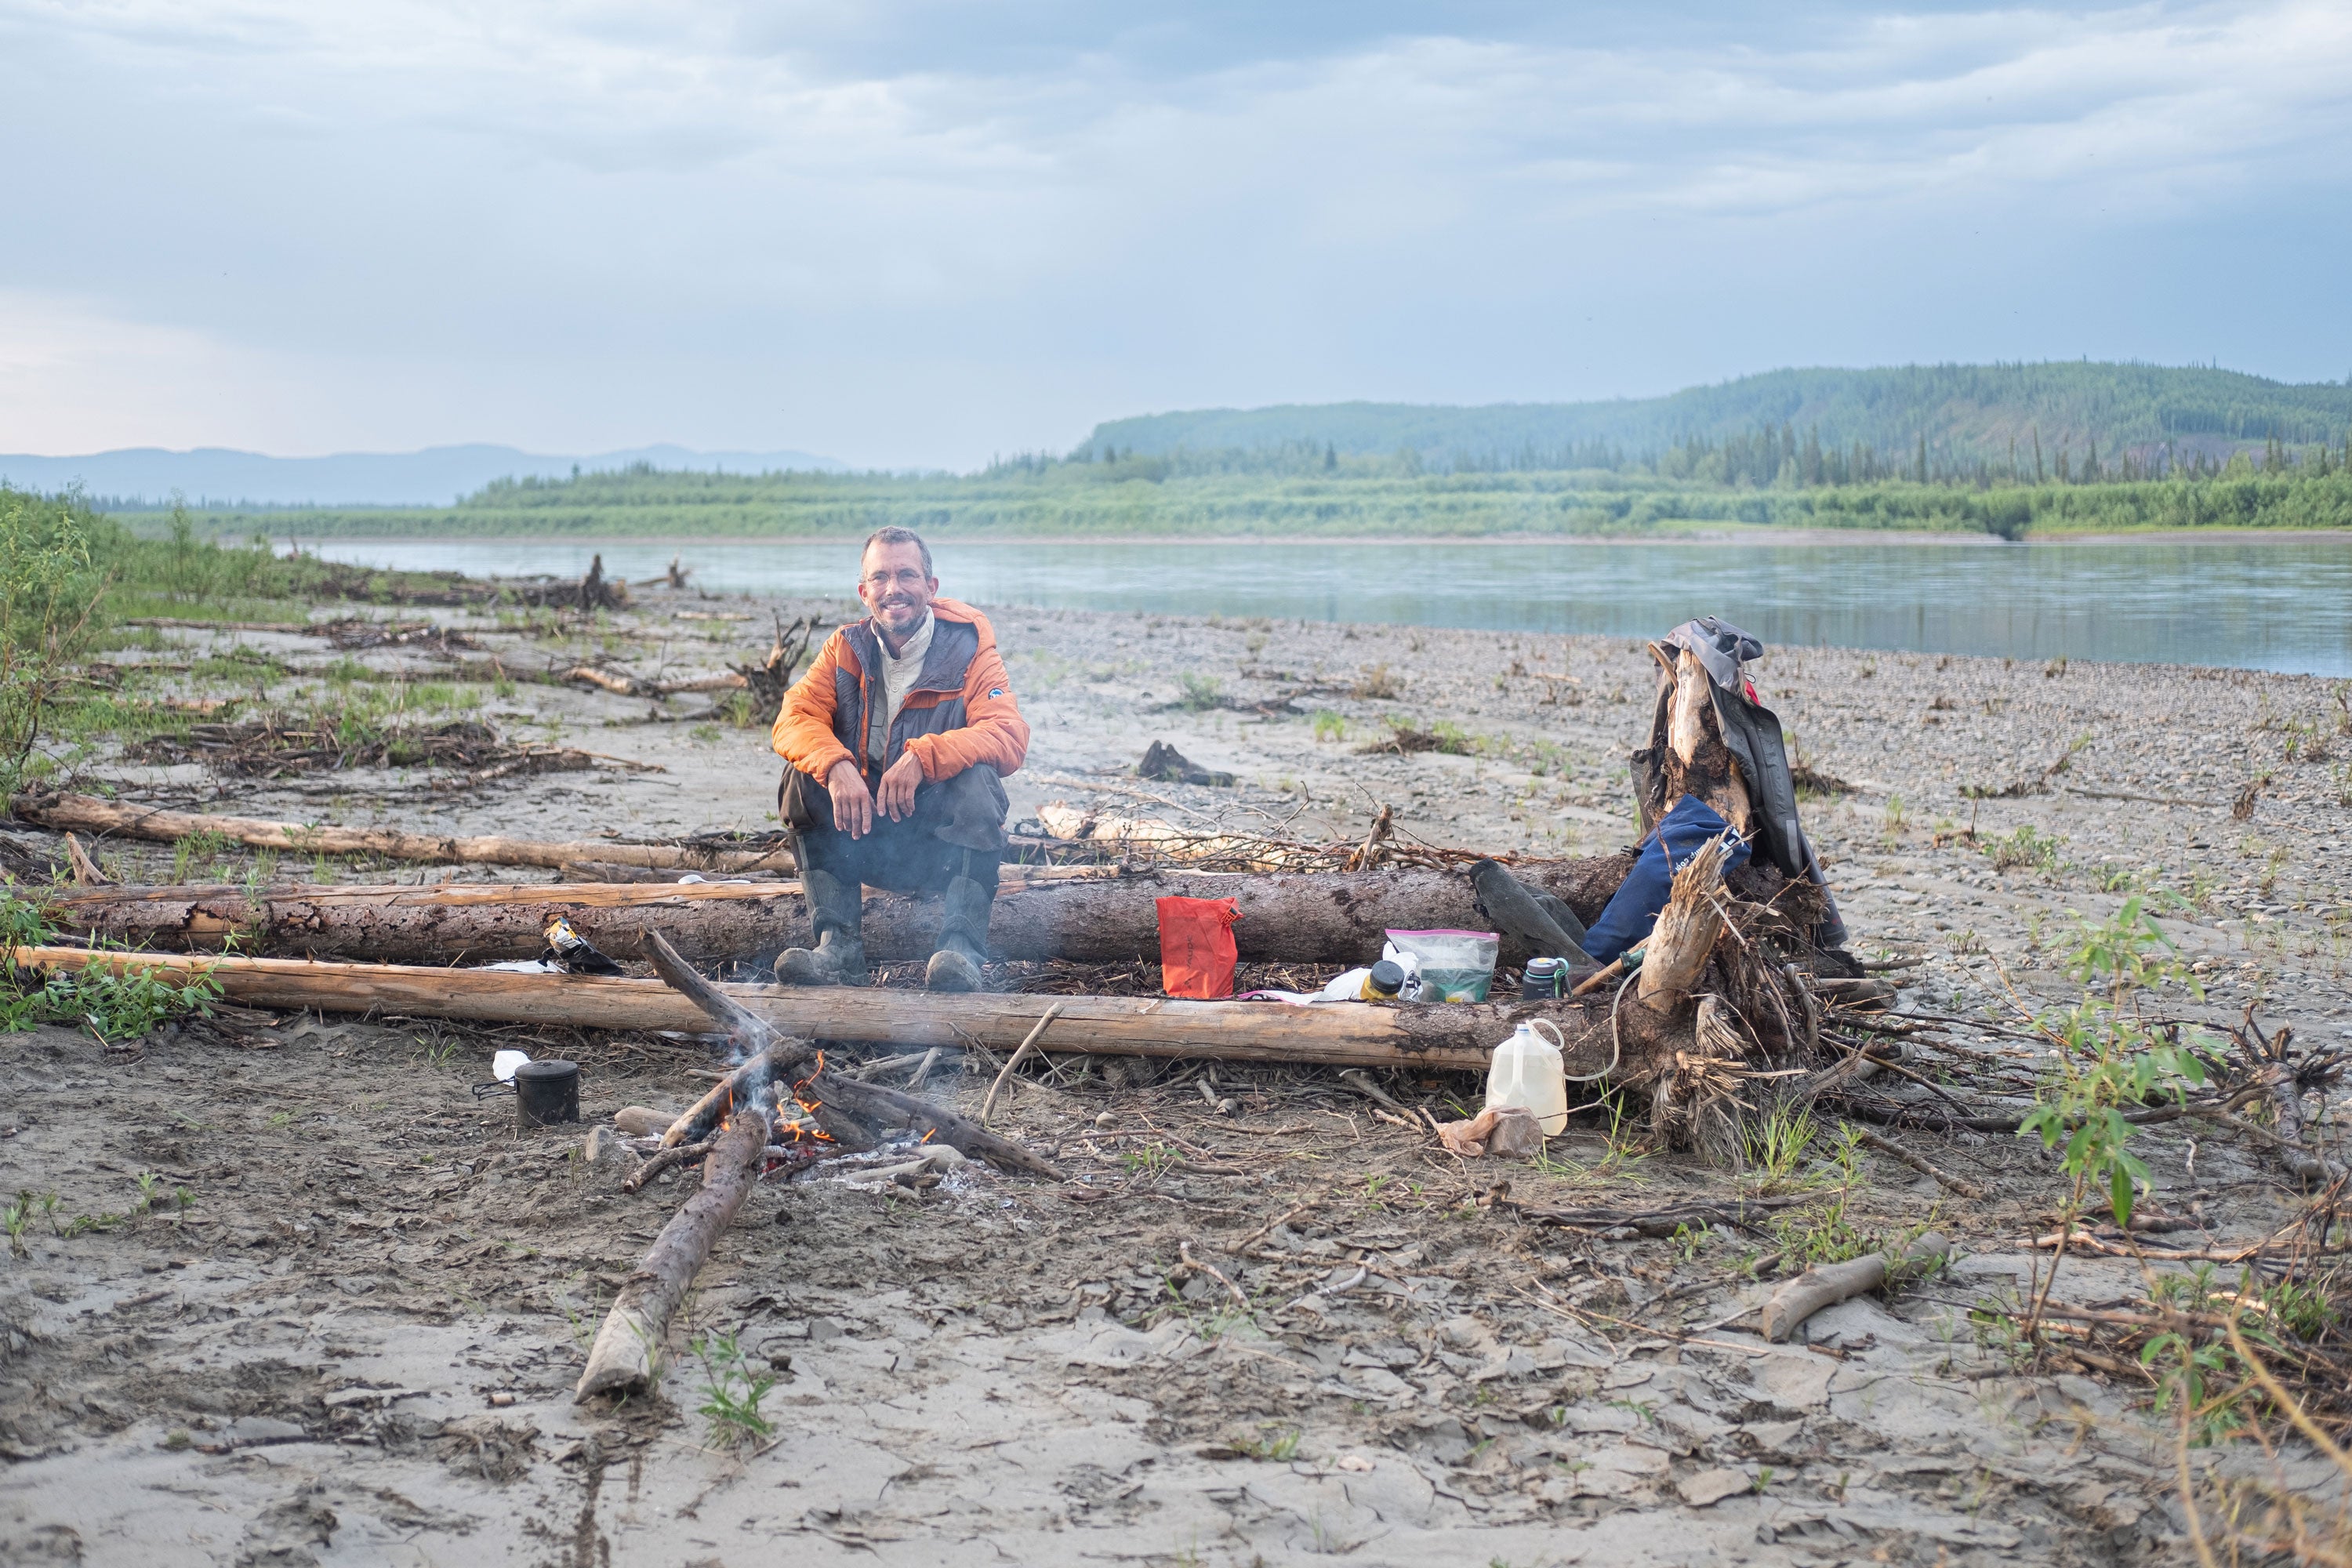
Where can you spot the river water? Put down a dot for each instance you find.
(2284, 604)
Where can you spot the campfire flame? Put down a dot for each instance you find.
(806, 1131)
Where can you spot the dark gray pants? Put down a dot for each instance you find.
(957, 829)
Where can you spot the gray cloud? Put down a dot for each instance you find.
(922, 232)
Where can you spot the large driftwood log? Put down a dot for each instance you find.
(626, 1354)
(1451, 1036)
(462, 922)
(1297, 916)
(1086, 914)
(91, 814)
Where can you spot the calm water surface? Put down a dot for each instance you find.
(2284, 606)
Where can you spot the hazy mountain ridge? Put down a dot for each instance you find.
(438, 476)
(1963, 412)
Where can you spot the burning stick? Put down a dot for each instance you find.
(872, 1102)
(627, 1349)
(866, 1101)
(746, 1083)
(770, 1057)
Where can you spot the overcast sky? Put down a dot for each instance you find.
(918, 232)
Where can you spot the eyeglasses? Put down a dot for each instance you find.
(907, 577)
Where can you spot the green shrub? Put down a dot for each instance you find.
(114, 1003)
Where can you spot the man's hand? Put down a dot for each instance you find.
(853, 807)
(897, 796)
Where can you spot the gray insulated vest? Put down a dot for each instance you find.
(860, 705)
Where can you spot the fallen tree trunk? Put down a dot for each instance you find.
(472, 922)
(1456, 1038)
(1085, 913)
(627, 1350)
(91, 814)
(1297, 916)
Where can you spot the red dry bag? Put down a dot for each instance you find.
(1196, 946)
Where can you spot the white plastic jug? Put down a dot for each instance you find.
(1527, 1070)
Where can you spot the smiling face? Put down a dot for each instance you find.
(895, 589)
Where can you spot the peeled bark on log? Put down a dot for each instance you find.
(1688, 740)
(1454, 1038)
(92, 815)
(627, 1352)
(1683, 939)
(1085, 913)
(474, 921)
(1827, 1284)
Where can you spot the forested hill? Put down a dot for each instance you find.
(1964, 414)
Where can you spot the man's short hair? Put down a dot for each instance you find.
(897, 535)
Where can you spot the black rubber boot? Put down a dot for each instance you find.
(839, 956)
(1519, 912)
(963, 930)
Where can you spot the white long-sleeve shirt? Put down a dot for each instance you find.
(899, 672)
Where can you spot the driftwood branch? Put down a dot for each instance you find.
(627, 1352)
(1447, 1036)
(85, 870)
(1890, 1148)
(2285, 1096)
(1028, 1047)
(1826, 1284)
(1741, 1212)
(91, 814)
(662, 1159)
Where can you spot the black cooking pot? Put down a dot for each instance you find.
(547, 1093)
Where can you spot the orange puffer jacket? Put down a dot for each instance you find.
(959, 712)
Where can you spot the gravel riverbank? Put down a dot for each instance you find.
(354, 1339)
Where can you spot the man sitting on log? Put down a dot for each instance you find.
(897, 740)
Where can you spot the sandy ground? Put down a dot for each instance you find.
(355, 1340)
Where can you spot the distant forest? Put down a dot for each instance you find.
(1932, 423)
(1169, 498)
(2071, 449)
